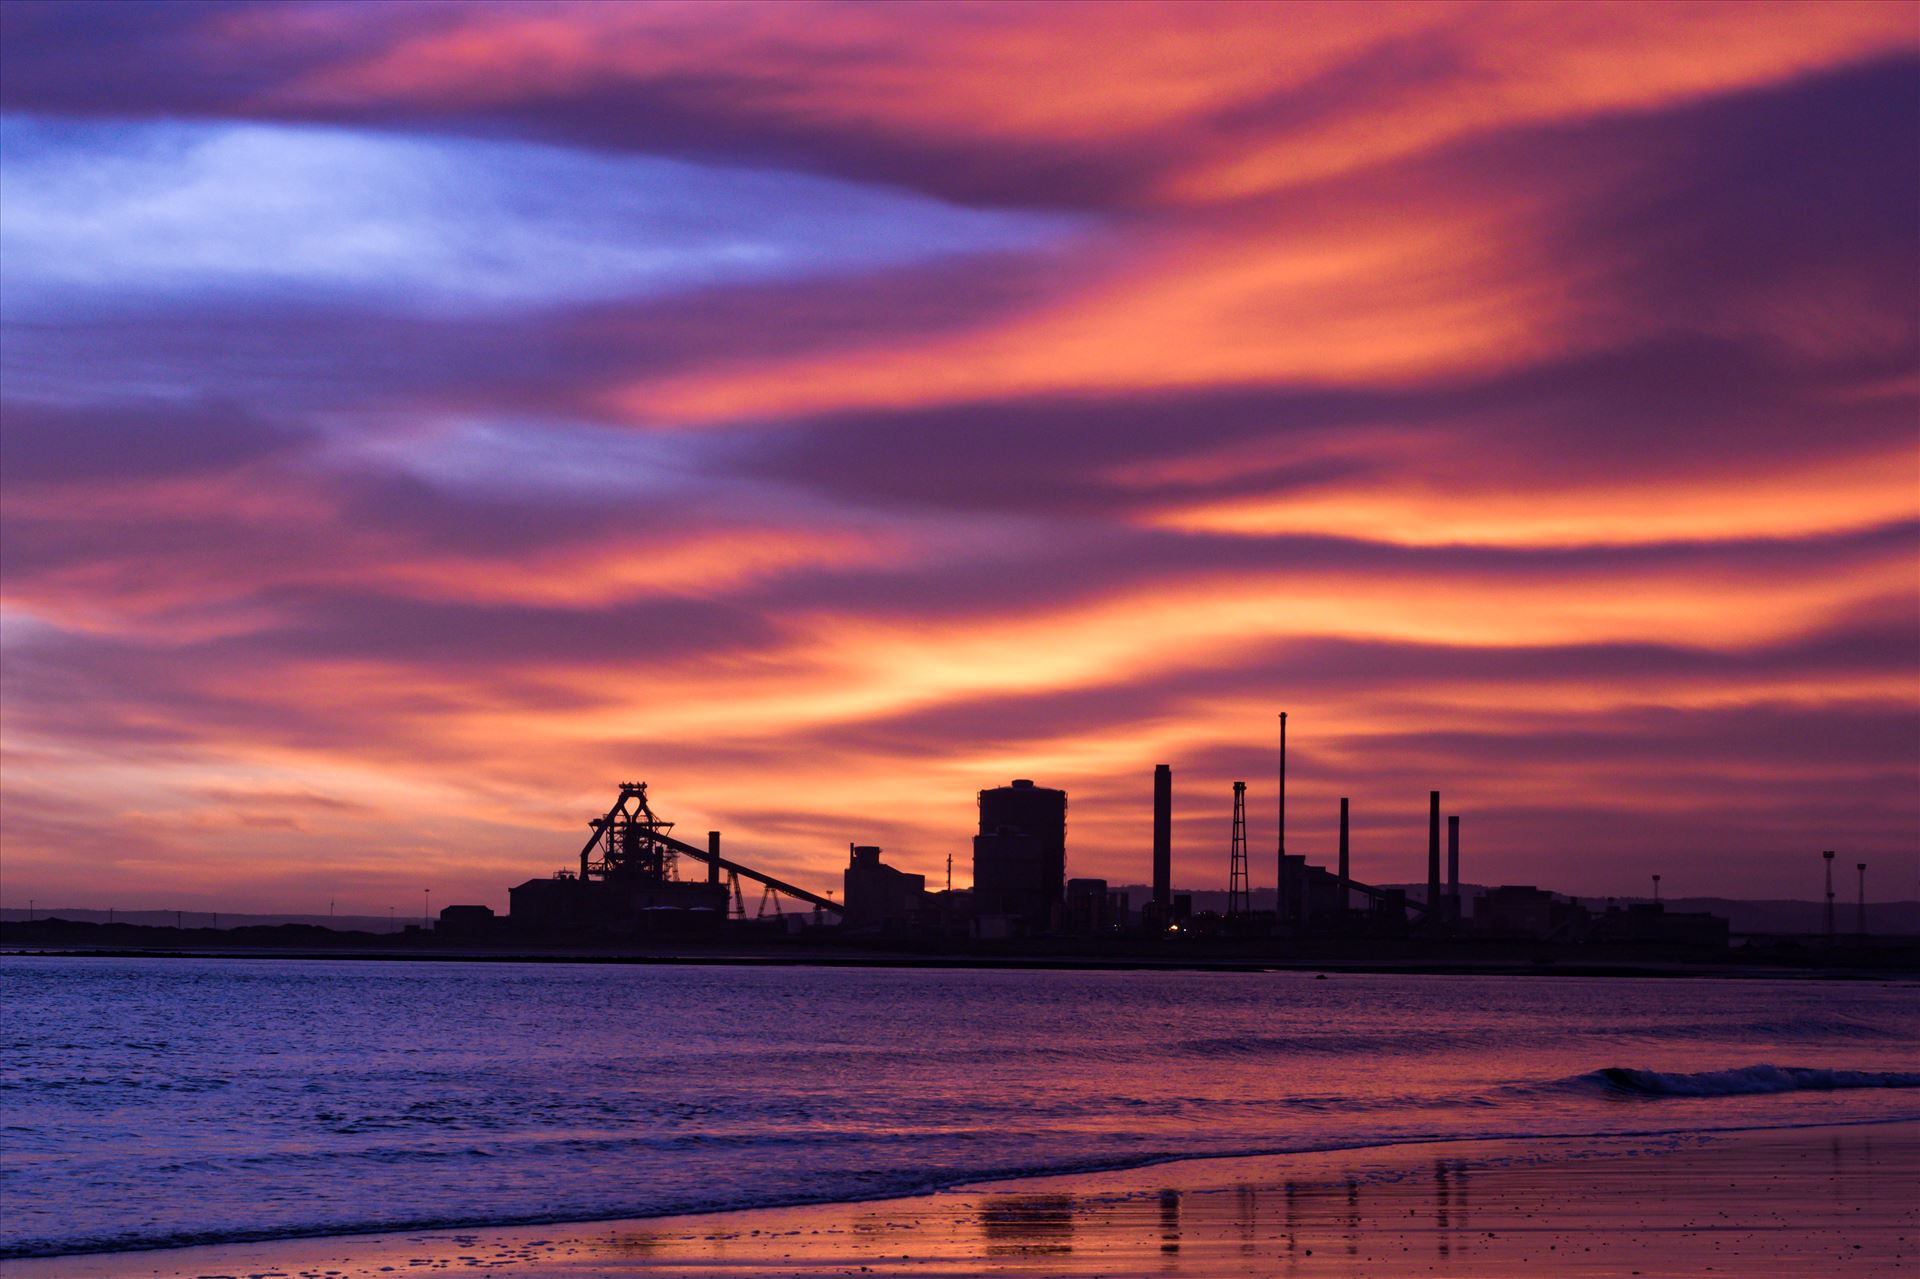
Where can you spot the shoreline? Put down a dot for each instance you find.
(837, 1233)
(1717, 969)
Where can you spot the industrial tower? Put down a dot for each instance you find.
(1239, 891)
(1280, 852)
(1163, 842)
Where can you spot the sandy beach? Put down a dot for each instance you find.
(1810, 1201)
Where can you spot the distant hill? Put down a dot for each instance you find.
(210, 919)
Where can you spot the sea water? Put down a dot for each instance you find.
(152, 1102)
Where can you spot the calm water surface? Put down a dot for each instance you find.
(152, 1102)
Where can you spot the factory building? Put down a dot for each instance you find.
(617, 904)
(879, 896)
(467, 922)
(1094, 909)
(1020, 858)
(1315, 896)
(1521, 910)
(627, 883)
(1652, 924)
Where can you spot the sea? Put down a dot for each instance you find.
(157, 1102)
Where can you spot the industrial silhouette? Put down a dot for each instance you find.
(628, 878)
(629, 882)
(1020, 859)
(1239, 890)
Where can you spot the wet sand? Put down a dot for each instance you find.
(1798, 1202)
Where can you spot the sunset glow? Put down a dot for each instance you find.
(420, 418)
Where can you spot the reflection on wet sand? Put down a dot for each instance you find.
(1027, 1224)
(1444, 1204)
(633, 1243)
(1282, 1223)
(1799, 1203)
(1249, 1213)
(1582, 1209)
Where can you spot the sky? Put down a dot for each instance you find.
(420, 418)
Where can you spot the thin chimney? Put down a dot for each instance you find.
(1280, 854)
(1343, 840)
(1453, 856)
(1433, 854)
(1163, 839)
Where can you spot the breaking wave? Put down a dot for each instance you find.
(1746, 1081)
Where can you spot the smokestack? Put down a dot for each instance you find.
(713, 857)
(1453, 856)
(1163, 837)
(1343, 841)
(1433, 854)
(1280, 854)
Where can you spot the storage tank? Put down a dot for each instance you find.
(1020, 855)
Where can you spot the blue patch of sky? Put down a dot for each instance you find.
(102, 215)
(510, 456)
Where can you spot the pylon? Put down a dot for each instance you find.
(1239, 891)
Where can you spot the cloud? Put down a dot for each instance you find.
(1457, 265)
(154, 209)
(53, 444)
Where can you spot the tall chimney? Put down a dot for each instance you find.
(1163, 838)
(1433, 854)
(1343, 840)
(1280, 854)
(1453, 856)
(713, 857)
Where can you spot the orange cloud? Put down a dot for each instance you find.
(1456, 505)
(1337, 301)
(1374, 82)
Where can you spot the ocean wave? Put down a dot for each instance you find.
(1804, 1028)
(1746, 1081)
(1815, 1027)
(1313, 1043)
